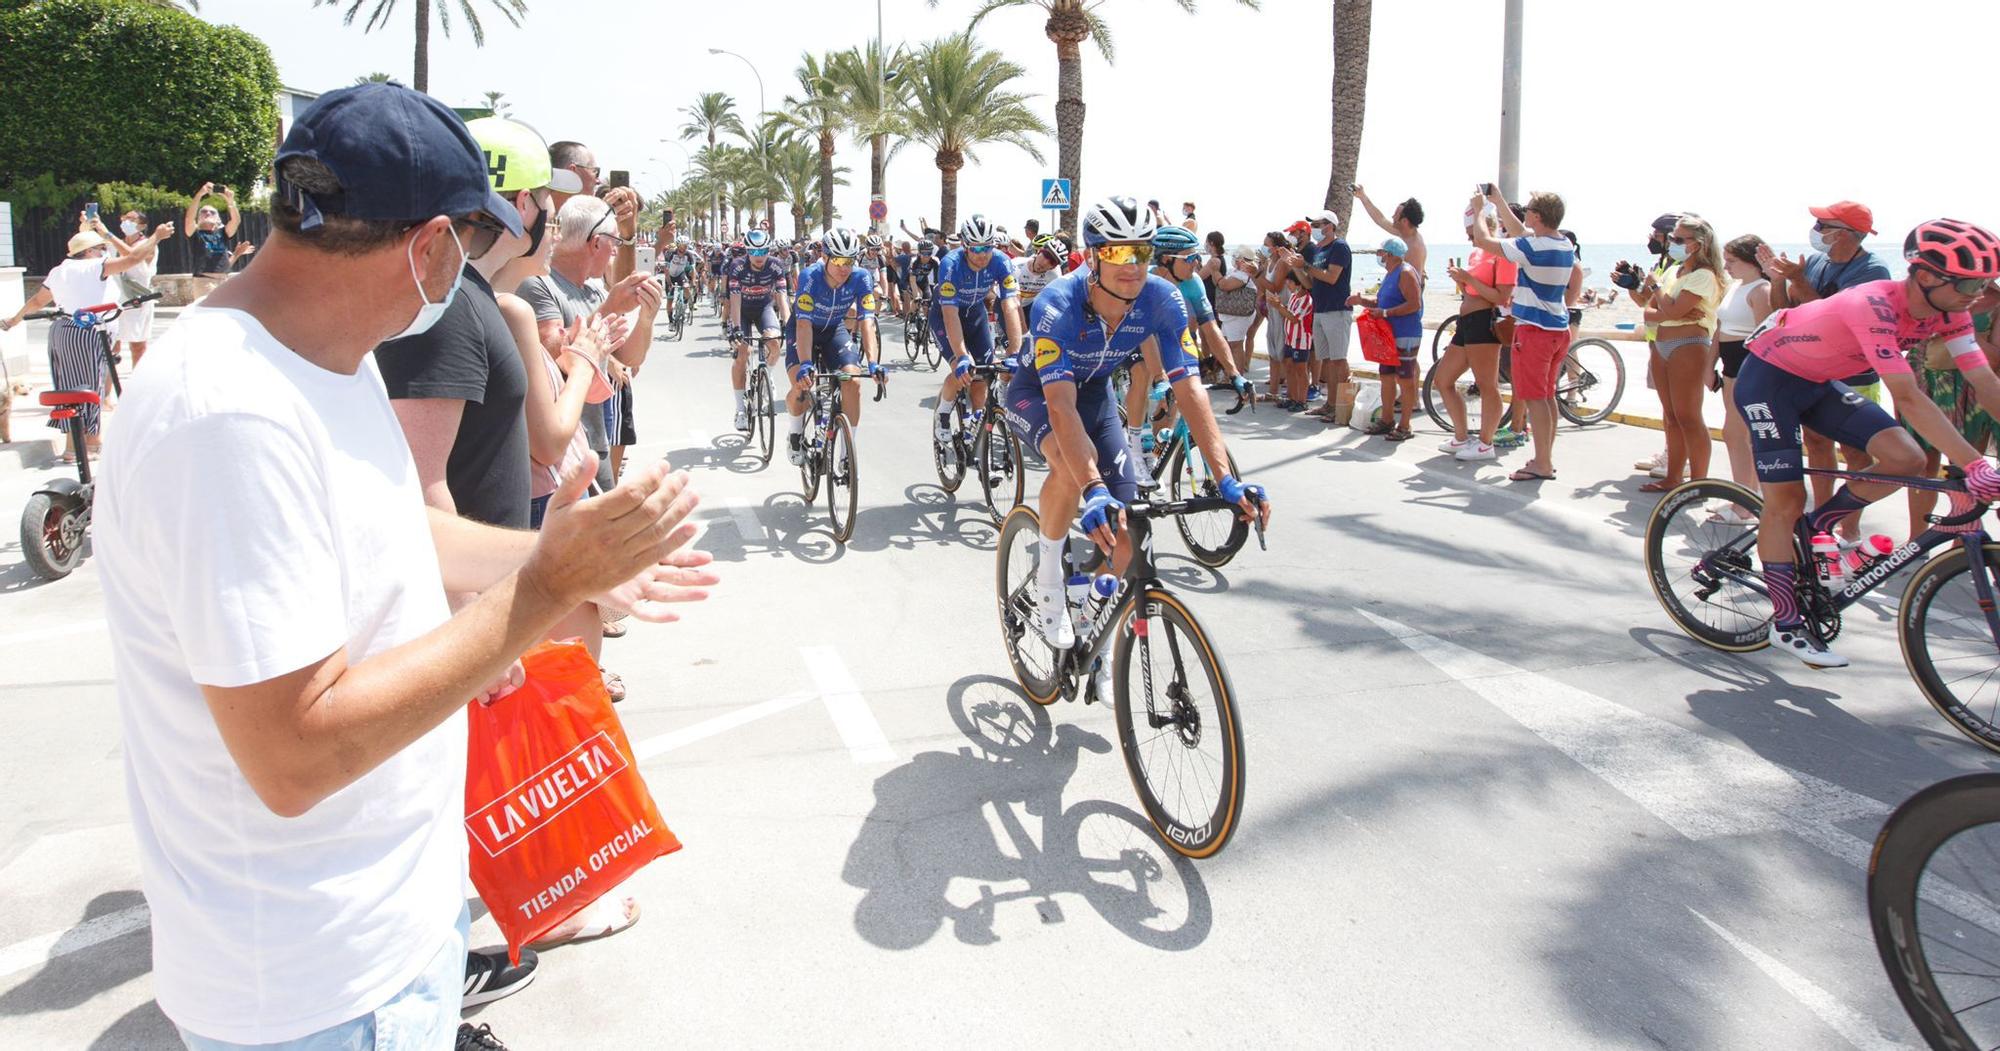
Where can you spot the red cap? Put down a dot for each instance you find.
(1297, 226)
(1850, 214)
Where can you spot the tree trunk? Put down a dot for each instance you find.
(422, 80)
(798, 222)
(715, 194)
(1351, 20)
(1069, 29)
(878, 178)
(826, 177)
(948, 162)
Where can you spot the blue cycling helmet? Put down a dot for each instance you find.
(1173, 240)
(757, 241)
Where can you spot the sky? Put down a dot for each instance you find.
(1746, 111)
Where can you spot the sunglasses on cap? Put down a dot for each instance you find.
(1125, 255)
(612, 233)
(1964, 286)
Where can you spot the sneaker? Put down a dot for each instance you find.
(478, 1039)
(743, 420)
(489, 976)
(1054, 613)
(1797, 642)
(1657, 471)
(1477, 450)
(1453, 445)
(1312, 393)
(1658, 459)
(1508, 438)
(795, 449)
(1152, 462)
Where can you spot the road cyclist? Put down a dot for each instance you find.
(958, 318)
(818, 338)
(757, 306)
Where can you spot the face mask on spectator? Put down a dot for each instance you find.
(429, 313)
(131, 228)
(1818, 241)
(1677, 252)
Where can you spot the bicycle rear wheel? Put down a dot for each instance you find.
(948, 455)
(1177, 726)
(1036, 663)
(843, 479)
(1212, 537)
(1442, 339)
(1434, 406)
(910, 348)
(927, 343)
(1001, 478)
(1592, 381)
(1948, 646)
(1932, 883)
(1701, 561)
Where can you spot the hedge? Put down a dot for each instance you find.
(122, 92)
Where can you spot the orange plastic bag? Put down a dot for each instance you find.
(1378, 341)
(555, 810)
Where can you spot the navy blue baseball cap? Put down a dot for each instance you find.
(398, 154)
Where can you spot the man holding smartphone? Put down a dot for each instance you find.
(211, 236)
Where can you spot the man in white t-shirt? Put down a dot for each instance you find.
(290, 680)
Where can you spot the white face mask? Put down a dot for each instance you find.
(1677, 252)
(1818, 242)
(131, 228)
(429, 313)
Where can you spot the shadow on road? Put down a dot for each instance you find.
(929, 835)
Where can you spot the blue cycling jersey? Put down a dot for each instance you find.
(756, 284)
(826, 305)
(1070, 344)
(962, 285)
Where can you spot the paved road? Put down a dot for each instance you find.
(1493, 798)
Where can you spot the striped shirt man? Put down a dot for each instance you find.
(1298, 321)
(1545, 264)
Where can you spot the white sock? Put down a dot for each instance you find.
(1049, 572)
(1132, 439)
(739, 401)
(798, 423)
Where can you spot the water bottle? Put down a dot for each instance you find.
(1826, 559)
(1078, 588)
(1104, 585)
(1858, 555)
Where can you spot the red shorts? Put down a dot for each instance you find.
(1538, 357)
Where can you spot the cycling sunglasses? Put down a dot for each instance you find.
(1964, 286)
(759, 253)
(1190, 258)
(1125, 255)
(841, 260)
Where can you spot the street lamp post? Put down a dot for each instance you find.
(760, 97)
(1510, 104)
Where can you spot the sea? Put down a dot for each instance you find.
(1598, 260)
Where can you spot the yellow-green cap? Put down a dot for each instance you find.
(517, 159)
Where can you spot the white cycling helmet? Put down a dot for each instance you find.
(975, 231)
(840, 241)
(1117, 220)
(757, 240)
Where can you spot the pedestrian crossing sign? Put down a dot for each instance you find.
(1055, 194)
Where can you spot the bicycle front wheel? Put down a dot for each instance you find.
(1701, 551)
(1035, 661)
(763, 418)
(1212, 537)
(1177, 726)
(1434, 405)
(998, 454)
(1932, 884)
(843, 477)
(1442, 339)
(949, 455)
(1950, 648)
(814, 463)
(1592, 381)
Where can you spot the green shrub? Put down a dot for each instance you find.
(132, 95)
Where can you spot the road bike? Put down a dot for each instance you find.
(1587, 391)
(1175, 461)
(677, 309)
(919, 343)
(1701, 550)
(1932, 883)
(762, 411)
(57, 516)
(828, 443)
(982, 441)
(1174, 705)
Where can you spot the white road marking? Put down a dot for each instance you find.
(1852, 1026)
(844, 703)
(98, 929)
(1700, 786)
(747, 526)
(653, 747)
(55, 631)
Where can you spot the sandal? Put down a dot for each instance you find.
(1400, 434)
(601, 918)
(614, 629)
(1659, 486)
(615, 686)
(1377, 429)
(1526, 475)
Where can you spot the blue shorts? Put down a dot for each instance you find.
(1774, 403)
(1028, 414)
(833, 348)
(978, 333)
(758, 318)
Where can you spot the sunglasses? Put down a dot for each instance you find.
(841, 260)
(978, 249)
(1125, 255)
(1685, 240)
(611, 233)
(595, 172)
(1831, 228)
(759, 253)
(486, 232)
(1190, 258)
(1964, 286)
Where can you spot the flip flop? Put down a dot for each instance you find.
(1525, 475)
(1660, 486)
(601, 919)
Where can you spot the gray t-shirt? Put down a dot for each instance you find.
(557, 298)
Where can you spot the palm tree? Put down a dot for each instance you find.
(494, 105)
(713, 112)
(376, 78)
(1351, 20)
(959, 100)
(874, 91)
(378, 15)
(819, 111)
(760, 147)
(795, 166)
(1069, 24)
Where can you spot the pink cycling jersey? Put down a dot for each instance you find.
(1865, 327)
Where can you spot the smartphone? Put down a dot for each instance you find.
(621, 177)
(1485, 189)
(668, 217)
(90, 211)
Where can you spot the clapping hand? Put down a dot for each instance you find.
(1777, 266)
